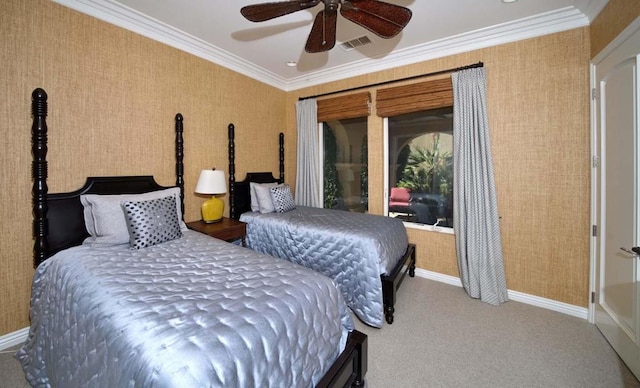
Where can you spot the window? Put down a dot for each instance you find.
(343, 142)
(345, 164)
(420, 167)
(419, 132)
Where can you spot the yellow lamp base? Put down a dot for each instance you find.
(212, 210)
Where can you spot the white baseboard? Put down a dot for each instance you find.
(549, 304)
(12, 339)
(20, 336)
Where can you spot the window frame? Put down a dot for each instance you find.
(321, 152)
(321, 164)
(411, 97)
(387, 189)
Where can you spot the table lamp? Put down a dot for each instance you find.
(212, 182)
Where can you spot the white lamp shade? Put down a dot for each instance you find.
(211, 182)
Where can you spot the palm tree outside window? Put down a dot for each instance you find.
(421, 166)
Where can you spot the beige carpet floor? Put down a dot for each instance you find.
(443, 338)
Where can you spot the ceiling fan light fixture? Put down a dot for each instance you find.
(383, 19)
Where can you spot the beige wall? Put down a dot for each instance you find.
(613, 18)
(538, 102)
(113, 96)
(539, 117)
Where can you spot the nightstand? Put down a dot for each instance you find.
(228, 229)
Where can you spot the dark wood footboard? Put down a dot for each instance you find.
(351, 366)
(391, 282)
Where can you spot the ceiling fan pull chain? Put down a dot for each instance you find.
(383, 19)
(324, 28)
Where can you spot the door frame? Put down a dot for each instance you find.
(595, 161)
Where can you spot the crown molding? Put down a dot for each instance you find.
(593, 8)
(122, 16)
(547, 23)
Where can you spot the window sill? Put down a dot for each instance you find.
(430, 228)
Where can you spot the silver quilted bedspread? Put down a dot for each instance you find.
(354, 249)
(176, 315)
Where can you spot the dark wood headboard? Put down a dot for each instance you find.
(239, 194)
(58, 220)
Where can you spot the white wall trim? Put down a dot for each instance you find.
(111, 11)
(617, 41)
(628, 32)
(12, 339)
(544, 24)
(20, 336)
(516, 296)
(594, 8)
(593, 205)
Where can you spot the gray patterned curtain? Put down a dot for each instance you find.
(308, 175)
(475, 220)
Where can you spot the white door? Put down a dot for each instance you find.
(617, 266)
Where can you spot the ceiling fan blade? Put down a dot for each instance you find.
(323, 33)
(267, 11)
(383, 19)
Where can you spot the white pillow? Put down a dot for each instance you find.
(104, 218)
(255, 200)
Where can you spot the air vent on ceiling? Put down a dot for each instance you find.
(357, 42)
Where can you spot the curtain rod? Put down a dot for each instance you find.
(472, 66)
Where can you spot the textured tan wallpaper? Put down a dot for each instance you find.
(538, 105)
(611, 21)
(113, 96)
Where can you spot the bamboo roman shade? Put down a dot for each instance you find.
(344, 107)
(414, 97)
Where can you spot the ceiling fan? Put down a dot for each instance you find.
(383, 19)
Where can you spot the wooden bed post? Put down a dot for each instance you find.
(281, 141)
(232, 171)
(180, 159)
(39, 175)
(239, 192)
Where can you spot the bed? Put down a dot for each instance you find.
(170, 307)
(367, 255)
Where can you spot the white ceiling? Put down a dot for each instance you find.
(215, 30)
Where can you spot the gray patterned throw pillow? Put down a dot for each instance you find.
(282, 198)
(151, 222)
